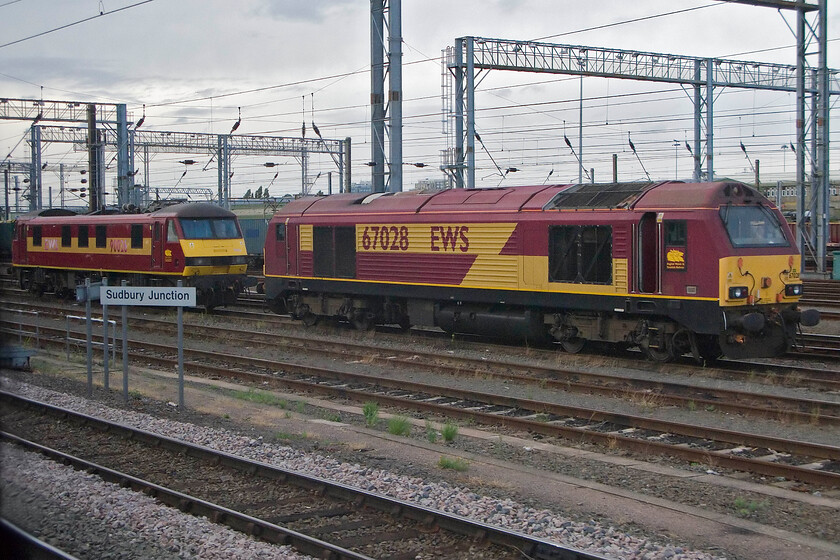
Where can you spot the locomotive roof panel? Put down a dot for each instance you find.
(592, 196)
(697, 195)
(195, 210)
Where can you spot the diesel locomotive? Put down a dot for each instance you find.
(198, 243)
(673, 268)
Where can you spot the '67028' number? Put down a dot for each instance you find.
(385, 238)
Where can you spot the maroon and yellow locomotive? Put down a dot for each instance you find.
(673, 268)
(198, 243)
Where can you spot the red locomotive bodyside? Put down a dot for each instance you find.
(655, 265)
(200, 244)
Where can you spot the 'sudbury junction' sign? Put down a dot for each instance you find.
(165, 297)
(125, 296)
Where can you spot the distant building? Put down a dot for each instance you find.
(361, 187)
(430, 185)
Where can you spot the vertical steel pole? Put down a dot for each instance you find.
(88, 339)
(822, 126)
(180, 352)
(395, 181)
(377, 95)
(35, 184)
(698, 120)
(7, 213)
(122, 156)
(470, 112)
(710, 121)
(580, 133)
(459, 113)
(125, 347)
(800, 135)
(105, 341)
(93, 167)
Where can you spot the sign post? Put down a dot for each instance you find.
(125, 347)
(179, 297)
(88, 339)
(180, 352)
(105, 341)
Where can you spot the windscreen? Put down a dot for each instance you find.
(752, 226)
(210, 228)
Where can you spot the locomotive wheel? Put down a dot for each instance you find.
(362, 322)
(573, 345)
(309, 319)
(660, 354)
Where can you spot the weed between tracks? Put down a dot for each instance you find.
(454, 463)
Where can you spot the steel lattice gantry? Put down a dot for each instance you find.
(222, 147)
(472, 54)
(112, 115)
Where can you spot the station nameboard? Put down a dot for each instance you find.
(163, 297)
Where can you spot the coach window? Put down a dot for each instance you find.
(136, 236)
(66, 236)
(281, 232)
(580, 254)
(84, 232)
(171, 234)
(101, 237)
(37, 233)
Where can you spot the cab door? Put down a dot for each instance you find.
(648, 254)
(158, 229)
(281, 241)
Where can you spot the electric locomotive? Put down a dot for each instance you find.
(706, 269)
(198, 243)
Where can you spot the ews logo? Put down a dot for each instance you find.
(450, 238)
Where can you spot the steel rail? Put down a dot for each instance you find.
(481, 532)
(18, 543)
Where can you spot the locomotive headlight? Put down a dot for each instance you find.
(793, 290)
(738, 292)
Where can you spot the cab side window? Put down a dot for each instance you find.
(676, 233)
(171, 234)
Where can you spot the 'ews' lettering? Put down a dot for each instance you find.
(450, 238)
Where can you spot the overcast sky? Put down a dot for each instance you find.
(188, 62)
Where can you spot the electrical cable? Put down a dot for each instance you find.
(101, 14)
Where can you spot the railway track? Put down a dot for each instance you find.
(760, 455)
(555, 377)
(289, 332)
(315, 516)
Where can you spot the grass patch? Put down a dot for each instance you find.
(431, 432)
(331, 416)
(747, 508)
(399, 426)
(371, 412)
(449, 431)
(454, 463)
